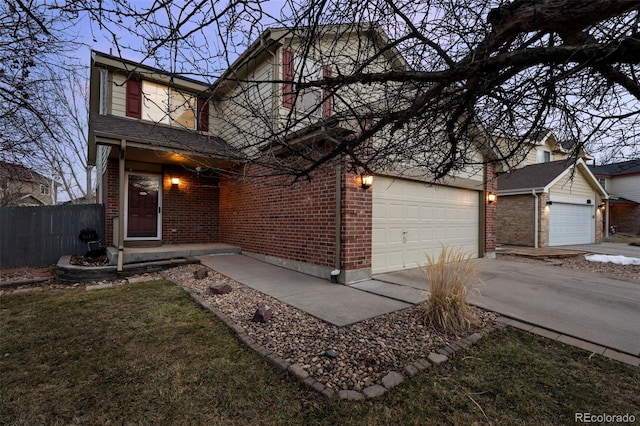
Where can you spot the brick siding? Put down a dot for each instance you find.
(514, 215)
(357, 224)
(626, 218)
(191, 208)
(272, 217)
(491, 185)
(110, 193)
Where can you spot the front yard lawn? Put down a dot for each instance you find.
(146, 354)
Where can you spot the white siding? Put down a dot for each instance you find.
(118, 95)
(571, 216)
(244, 117)
(575, 186)
(626, 187)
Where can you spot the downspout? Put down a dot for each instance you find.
(336, 272)
(536, 215)
(123, 147)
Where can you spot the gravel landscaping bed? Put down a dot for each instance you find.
(364, 352)
(342, 358)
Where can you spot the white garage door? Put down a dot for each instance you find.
(411, 219)
(571, 224)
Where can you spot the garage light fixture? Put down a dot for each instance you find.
(492, 197)
(549, 203)
(175, 181)
(366, 181)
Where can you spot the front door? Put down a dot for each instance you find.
(143, 207)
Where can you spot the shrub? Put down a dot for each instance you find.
(451, 277)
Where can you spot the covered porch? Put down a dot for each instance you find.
(160, 186)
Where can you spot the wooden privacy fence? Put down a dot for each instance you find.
(37, 236)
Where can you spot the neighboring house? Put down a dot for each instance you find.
(21, 186)
(170, 164)
(541, 147)
(622, 183)
(548, 197)
(550, 204)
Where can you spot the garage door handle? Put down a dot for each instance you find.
(404, 237)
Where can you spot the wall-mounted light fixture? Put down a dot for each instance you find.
(549, 203)
(366, 181)
(175, 181)
(589, 201)
(602, 206)
(492, 197)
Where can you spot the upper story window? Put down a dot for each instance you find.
(44, 189)
(602, 182)
(163, 104)
(543, 156)
(309, 99)
(314, 101)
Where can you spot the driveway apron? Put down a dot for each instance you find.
(592, 307)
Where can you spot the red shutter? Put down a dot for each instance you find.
(203, 114)
(134, 98)
(288, 94)
(327, 97)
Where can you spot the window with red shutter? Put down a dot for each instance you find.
(203, 115)
(288, 95)
(134, 98)
(327, 97)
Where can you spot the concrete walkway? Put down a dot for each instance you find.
(595, 312)
(334, 303)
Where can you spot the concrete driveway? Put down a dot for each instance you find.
(590, 307)
(615, 249)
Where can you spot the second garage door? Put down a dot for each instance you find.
(411, 219)
(571, 224)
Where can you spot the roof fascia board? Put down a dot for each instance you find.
(114, 140)
(523, 191)
(591, 177)
(557, 178)
(581, 167)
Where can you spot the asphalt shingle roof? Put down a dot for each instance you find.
(625, 167)
(165, 137)
(533, 176)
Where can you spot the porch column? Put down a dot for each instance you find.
(607, 223)
(121, 183)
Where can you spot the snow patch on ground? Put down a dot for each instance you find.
(618, 260)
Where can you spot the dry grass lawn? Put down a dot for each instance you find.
(146, 354)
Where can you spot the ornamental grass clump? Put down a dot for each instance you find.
(450, 277)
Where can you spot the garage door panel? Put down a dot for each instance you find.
(429, 217)
(571, 224)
